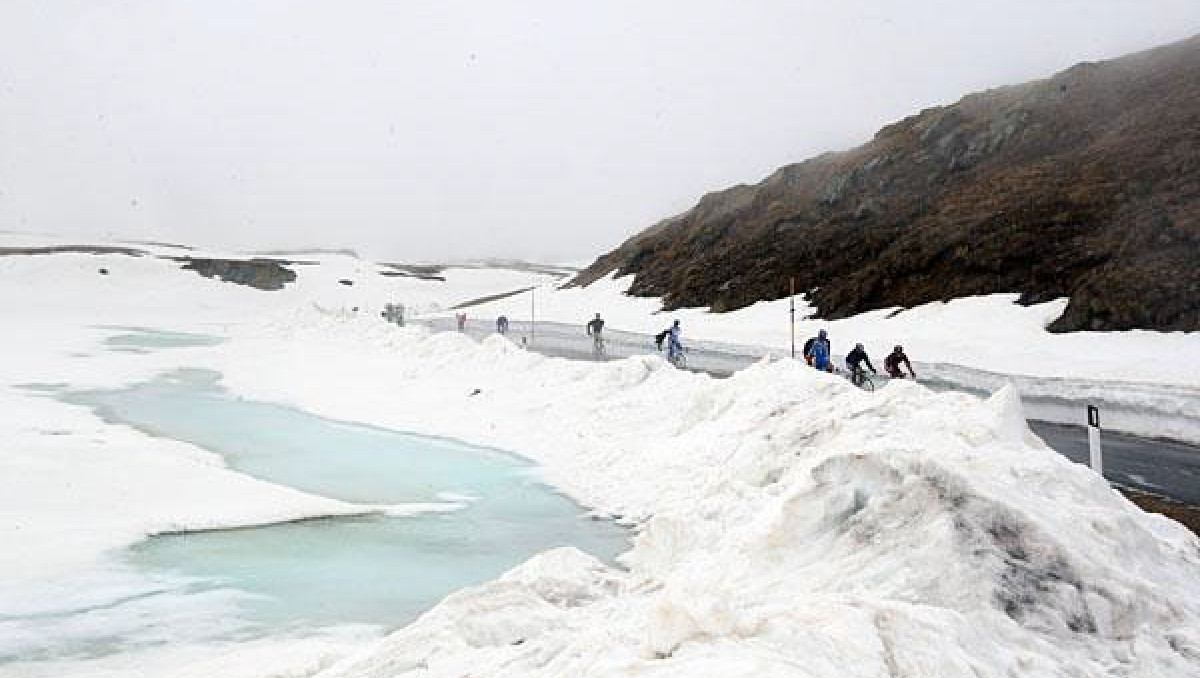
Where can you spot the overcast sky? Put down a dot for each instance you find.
(414, 129)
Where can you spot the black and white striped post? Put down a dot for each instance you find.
(792, 310)
(1097, 454)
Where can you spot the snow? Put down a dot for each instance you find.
(788, 523)
(287, 656)
(77, 490)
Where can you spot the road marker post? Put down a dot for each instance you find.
(792, 311)
(1097, 452)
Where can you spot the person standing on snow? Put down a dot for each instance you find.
(817, 352)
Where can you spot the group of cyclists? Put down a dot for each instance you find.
(672, 337)
(817, 352)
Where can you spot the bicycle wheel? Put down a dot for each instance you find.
(867, 384)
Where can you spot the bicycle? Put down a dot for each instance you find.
(678, 358)
(599, 346)
(861, 379)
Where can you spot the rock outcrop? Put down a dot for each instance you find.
(263, 274)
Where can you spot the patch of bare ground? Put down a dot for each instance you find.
(490, 298)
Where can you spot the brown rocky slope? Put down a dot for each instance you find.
(1085, 185)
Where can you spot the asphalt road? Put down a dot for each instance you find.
(1164, 467)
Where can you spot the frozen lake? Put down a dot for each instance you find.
(491, 513)
(143, 340)
(375, 569)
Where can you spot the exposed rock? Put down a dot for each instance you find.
(490, 298)
(263, 274)
(1085, 185)
(419, 271)
(70, 249)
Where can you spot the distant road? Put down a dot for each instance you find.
(1159, 466)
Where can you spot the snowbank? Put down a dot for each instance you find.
(789, 523)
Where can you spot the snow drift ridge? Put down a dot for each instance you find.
(789, 524)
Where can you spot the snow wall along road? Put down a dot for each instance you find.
(789, 524)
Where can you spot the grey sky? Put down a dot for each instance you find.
(415, 129)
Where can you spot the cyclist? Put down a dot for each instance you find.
(674, 342)
(594, 329)
(502, 324)
(817, 352)
(893, 361)
(855, 361)
(660, 338)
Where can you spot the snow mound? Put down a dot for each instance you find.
(789, 524)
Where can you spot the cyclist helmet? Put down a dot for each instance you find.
(858, 346)
(898, 349)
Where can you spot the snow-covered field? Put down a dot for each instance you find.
(788, 524)
(75, 488)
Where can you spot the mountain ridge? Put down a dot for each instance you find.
(1083, 185)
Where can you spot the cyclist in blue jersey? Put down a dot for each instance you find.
(818, 351)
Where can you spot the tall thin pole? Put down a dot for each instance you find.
(532, 315)
(1095, 451)
(792, 311)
